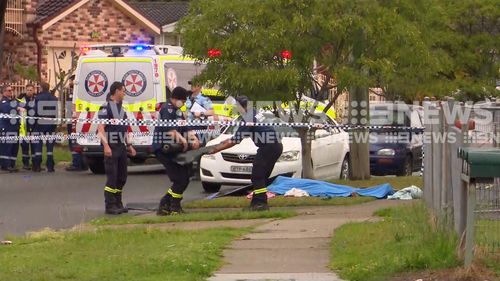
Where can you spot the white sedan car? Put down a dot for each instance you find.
(330, 157)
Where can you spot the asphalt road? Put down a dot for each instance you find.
(30, 202)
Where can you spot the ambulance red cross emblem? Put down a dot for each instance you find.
(135, 83)
(96, 83)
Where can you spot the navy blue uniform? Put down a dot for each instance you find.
(269, 150)
(116, 165)
(178, 174)
(9, 127)
(46, 107)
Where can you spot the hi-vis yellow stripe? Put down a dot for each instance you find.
(261, 190)
(119, 59)
(176, 58)
(147, 106)
(175, 195)
(112, 190)
(82, 105)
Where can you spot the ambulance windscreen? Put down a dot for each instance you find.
(179, 74)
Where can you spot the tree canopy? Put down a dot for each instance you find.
(410, 48)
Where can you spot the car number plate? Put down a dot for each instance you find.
(241, 169)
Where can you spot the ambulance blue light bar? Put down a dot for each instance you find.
(139, 48)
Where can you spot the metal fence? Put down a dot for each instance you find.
(487, 216)
(444, 191)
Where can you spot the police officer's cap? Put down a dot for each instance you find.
(242, 100)
(179, 93)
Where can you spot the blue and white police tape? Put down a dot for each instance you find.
(184, 123)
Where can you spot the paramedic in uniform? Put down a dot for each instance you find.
(170, 203)
(268, 152)
(115, 142)
(45, 107)
(9, 127)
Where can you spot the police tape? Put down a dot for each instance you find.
(208, 124)
(88, 137)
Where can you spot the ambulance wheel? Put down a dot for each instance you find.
(210, 187)
(96, 165)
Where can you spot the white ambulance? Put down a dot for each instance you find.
(148, 72)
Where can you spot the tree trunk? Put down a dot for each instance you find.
(305, 141)
(359, 115)
(359, 145)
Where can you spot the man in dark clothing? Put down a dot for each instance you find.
(170, 203)
(9, 128)
(115, 142)
(27, 101)
(45, 107)
(268, 152)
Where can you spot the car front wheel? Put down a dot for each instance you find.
(407, 168)
(210, 187)
(345, 169)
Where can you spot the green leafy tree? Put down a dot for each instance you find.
(473, 41)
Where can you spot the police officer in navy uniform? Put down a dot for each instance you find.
(268, 152)
(170, 203)
(115, 142)
(9, 128)
(46, 105)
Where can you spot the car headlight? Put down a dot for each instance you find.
(386, 152)
(209, 156)
(289, 156)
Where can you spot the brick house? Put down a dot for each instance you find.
(39, 31)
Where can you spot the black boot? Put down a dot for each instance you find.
(111, 204)
(259, 203)
(120, 203)
(164, 207)
(175, 208)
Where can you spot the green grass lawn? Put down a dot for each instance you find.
(117, 254)
(404, 242)
(61, 154)
(206, 216)
(278, 201)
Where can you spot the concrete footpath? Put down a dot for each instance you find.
(294, 249)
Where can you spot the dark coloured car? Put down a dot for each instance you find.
(394, 148)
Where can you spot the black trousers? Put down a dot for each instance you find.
(116, 168)
(178, 174)
(264, 162)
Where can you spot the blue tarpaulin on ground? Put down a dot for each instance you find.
(324, 189)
